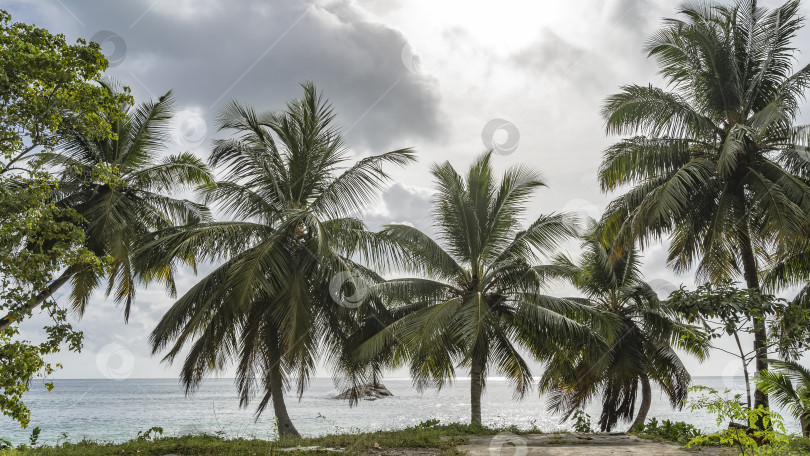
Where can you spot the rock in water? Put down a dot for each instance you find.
(369, 392)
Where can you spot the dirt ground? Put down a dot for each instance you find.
(575, 445)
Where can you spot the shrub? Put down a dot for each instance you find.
(673, 431)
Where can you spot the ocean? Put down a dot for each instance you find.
(114, 411)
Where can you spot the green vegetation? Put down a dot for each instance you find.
(582, 422)
(668, 431)
(119, 187)
(639, 349)
(293, 232)
(443, 439)
(789, 385)
(480, 298)
(37, 240)
(49, 89)
(428, 435)
(714, 164)
(723, 309)
(752, 430)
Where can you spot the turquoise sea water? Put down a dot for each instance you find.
(111, 410)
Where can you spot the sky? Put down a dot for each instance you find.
(447, 78)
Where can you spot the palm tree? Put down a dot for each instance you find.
(121, 187)
(268, 306)
(792, 268)
(716, 163)
(640, 350)
(793, 397)
(478, 298)
(790, 329)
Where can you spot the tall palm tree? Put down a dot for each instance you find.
(124, 190)
(478, 298)
(715, 162)
(795, 398)
(640, 350)
(268, 306)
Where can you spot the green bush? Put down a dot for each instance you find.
(582, 422)
(758, 432)
(672, 431)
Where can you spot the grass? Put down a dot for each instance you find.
(429, 435)
(801, 445)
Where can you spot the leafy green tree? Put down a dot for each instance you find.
(795, 398)
(120, 187)
(49, 88)
(754, 431)
(715, 163)
(724, 310)
(37, 239)
(478, 298)
(268, 306)
(641, 349)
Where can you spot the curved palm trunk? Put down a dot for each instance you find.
(646, 400)
(760, 332)
(805, 422)
(285, 425)
(41, 297)
(476, 387)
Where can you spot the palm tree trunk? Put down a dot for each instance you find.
(476, 386)
(646, 400)
(805, 422)
(760, 332)
(41, 297)
(285, 425)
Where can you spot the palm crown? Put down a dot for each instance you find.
(124, 191)
(718, 162)
(267, 306)
(479, 296)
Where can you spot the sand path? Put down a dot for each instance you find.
(575, 445)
